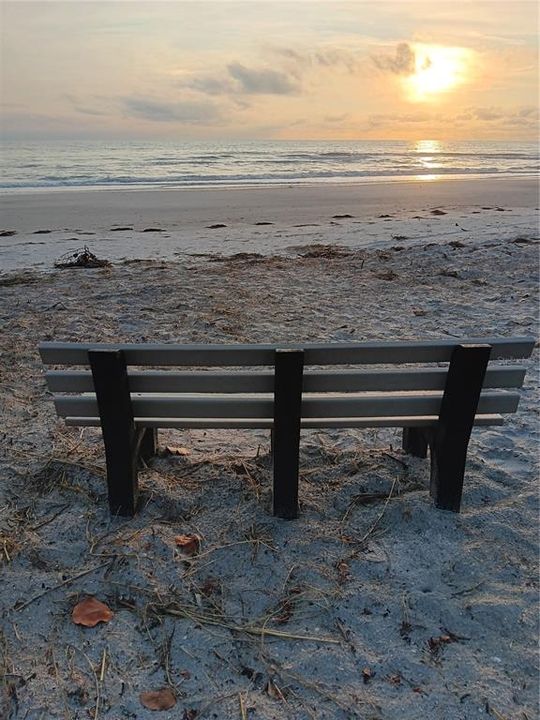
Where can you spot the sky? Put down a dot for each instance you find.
(85, 69)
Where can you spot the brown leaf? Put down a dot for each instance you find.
(163, 699)
(177, 450)
(90, 611)
(189, 544)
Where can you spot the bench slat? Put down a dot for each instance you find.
(224, 423)
(220, 406)
(155, 381)
(59, 353)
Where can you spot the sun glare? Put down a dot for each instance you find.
(437, 70)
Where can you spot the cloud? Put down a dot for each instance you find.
(240, 80)
(326, 58)
(187, 112)
(403, 62)
(487, 117)
(262, 81)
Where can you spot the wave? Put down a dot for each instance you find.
(190, 179)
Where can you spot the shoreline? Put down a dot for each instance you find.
(428, 178)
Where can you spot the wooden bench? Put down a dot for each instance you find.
(437, 406)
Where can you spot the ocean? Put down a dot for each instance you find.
(137, 164)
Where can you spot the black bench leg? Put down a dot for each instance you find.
(456, 419)
(416, 441)
(289, 365)
(111, 384)
(148, 443)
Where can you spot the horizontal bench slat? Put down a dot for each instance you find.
(155, 381)
(220, 406)
(245, 423)
(58, 353)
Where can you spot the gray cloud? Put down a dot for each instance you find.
(329, 57)
(187, 112)
(262, 81)
(403, 62)
(239, 80)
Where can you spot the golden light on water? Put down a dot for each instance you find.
(437, 70)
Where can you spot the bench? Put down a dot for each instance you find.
(456, 387)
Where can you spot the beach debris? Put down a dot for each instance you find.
(367, 674)
(216, 226)
(241, 256)
(91, 611)
(172, 450)
(449, 273)
(81, 258)
(400, 237)
(273, 691)
(7, 233)
(456, 243)
(437, 212)
(188, 544)
(525, 241)
(420, 313)
(388, 275)
(319, 250)
(163, 699)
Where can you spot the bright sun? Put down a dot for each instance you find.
(437, 70)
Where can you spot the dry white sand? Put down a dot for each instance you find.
(418, 613)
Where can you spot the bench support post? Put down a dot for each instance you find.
(289, 366)
(456, 419)
(111, 384)
(416, 441)
(147, 443)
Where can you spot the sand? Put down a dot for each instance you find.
(173, 224)
(409, 612)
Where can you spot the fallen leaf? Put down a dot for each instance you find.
(163, 699)
(189, 544)
(177, 450)
(90, 611)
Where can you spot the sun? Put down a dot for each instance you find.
(437, 70)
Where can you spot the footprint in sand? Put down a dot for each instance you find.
(385, 216)
(41, 232)
(264, 223)
(437, 212)
(216, 226)
(122, 229)
(7, 233)
(152, 230)
(342, 217)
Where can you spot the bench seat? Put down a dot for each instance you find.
(437, 391)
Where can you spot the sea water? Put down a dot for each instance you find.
(170, 164)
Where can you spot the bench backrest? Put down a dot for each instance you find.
(394, 396)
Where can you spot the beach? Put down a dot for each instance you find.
(373, 604)
(171, 224)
